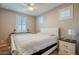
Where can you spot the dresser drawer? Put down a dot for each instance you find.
(65, 52)
(66, 48)
(66, 45)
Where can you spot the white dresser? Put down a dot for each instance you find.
(67, 47)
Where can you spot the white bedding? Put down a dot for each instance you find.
(29, 43)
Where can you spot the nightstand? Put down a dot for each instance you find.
(67, 47)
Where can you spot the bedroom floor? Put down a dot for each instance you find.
(7, 53)
(52, 53)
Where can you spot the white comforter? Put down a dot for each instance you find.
(30, 43)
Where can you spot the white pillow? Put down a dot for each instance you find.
(44, 33)
(49, 31)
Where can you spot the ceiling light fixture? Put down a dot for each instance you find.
(31, 7)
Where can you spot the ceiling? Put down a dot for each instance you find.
(20, 7)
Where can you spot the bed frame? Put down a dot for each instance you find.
(46, 50)
(51, 48)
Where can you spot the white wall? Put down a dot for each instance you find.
(8, 22)
(51, 19)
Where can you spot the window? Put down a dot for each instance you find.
(21, 24)
(66, 13)
(41, 20)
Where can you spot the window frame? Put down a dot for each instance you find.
(70, 8)
(20, 24)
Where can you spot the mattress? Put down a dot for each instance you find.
(26, 44)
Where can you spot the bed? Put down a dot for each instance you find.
(41, 43)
